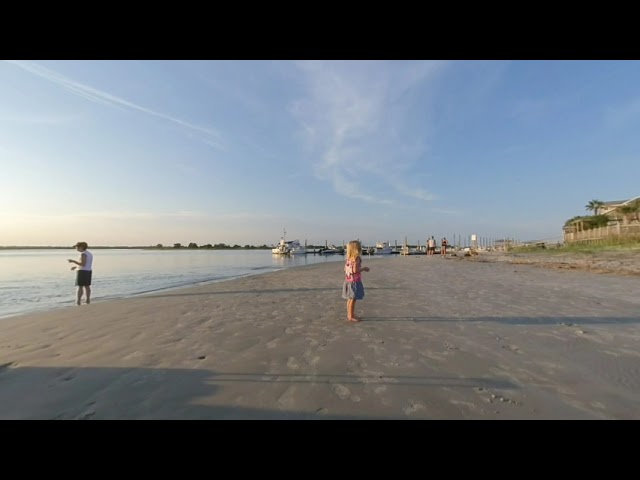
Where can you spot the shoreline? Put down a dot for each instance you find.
(96, 300)
(126, 274)
(440, 339)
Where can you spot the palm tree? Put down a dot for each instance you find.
(594, 206)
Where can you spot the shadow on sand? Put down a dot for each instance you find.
(565, 321)
(148, 393)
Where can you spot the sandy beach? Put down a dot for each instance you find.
(441, 338)
(620, 262)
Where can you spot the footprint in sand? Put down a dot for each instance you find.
(413, 407)
(492, 397)
(513, 348)
(341, 391)
(310, 359)
(133, 355)
(86, 414)
(67, 376)
(291, 330)
(380, 389)
(287, 399)
(292, 363)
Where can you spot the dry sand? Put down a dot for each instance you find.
(621, 262)
(441, 338)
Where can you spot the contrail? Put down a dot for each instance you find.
(104, 98)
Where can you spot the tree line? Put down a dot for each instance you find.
(217, 246)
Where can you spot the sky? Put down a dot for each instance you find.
(236, 152)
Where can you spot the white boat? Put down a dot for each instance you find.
(383, 248)
(296, 248)
(282, 248)
(287, 247)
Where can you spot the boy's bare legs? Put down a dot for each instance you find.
(86, 289)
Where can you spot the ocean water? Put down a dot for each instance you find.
(35, 280)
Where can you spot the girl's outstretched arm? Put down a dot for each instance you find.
(359, 268)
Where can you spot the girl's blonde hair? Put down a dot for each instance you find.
(354, 249)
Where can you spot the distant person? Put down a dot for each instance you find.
(352, 289)
(83, 275)
(443, 248)
(431, 246)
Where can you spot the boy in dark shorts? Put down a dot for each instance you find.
(85, 270)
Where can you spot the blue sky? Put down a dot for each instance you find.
(146, 152)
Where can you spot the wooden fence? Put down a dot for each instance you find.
(603, 233)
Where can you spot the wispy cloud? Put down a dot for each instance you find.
(212, 137)
(412, 192)
(356, 116)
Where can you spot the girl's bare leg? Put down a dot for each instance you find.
(352, 313)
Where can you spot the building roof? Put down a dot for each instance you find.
(619, 202)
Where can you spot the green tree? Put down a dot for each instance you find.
(571, 220)
(629, 212)
(588, 222)
(594, 206)
(635, 206)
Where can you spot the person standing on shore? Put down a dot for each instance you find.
(443, 248)
(84, 271)
(431, 246)
(353, 289)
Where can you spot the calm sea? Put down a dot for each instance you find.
(33, 280)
